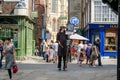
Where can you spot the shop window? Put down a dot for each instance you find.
(11, 33)
(110, 40)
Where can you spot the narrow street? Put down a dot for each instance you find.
(48, 71)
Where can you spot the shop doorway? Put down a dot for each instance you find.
(95, 35)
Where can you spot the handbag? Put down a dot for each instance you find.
(15, 68)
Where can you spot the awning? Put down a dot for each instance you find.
(78, 37)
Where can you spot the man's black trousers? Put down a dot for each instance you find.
(60, 58)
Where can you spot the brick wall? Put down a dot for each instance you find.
(7, 7)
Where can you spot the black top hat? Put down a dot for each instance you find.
(61, 27)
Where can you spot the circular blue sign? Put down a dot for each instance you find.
(74, 20)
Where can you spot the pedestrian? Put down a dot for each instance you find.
(44, 49)
(56, 51)
(1, 55)
(80, 46)
(36, 51)
(72, 51)
(62, 49)
(52, 53)
(82, 56)
(88, 53)
(47, 54)
(85, 45)
(94, 56)
(97, 43)
(52, 43)
(10, 56)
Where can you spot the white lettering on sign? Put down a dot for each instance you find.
(110, 34)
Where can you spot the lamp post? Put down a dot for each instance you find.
(115, 5)
(118, 59)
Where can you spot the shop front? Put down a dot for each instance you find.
(107, 33)
(20, 30)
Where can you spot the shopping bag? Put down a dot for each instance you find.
(15, 68)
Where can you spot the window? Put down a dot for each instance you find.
(12, 33)
(102, 13)
(53, 26)
(110, 40)
(53, 6)
(97, 10)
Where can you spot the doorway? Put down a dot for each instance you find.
(94, 35)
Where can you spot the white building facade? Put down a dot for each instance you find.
(57, 15)
(99, 21)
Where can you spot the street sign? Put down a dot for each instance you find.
(74, 20)
(69, 29)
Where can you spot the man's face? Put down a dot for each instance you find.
(7, 41)
(63, 29)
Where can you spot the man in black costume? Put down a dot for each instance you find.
(62, 49)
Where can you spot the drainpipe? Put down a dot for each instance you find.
(33, 7)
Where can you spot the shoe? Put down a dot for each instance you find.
(100, 65)
(59, 69)
(80, 65)
(64, 69)
(94, 66)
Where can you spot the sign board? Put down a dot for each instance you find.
(74, 20)
(43, 33)
(48, 36)
(69, 29)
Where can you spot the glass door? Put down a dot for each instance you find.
(95, 36)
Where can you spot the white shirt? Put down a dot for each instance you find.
(85, 46)
(56, 47)
(52, 53)
(80, 46)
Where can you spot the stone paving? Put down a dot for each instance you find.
(48, 71)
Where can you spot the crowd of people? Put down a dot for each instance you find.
(59, 51)
(89, 52)
(49, 51)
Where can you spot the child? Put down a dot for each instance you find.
(36, 52)
(52, 54)
(47, 54)
(82, 56)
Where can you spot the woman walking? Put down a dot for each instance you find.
(88, 53)
(1, 49)
(82, 56)
(9, 52)
(94, 56)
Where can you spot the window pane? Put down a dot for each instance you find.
(110, 40)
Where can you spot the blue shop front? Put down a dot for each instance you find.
(107, 33)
